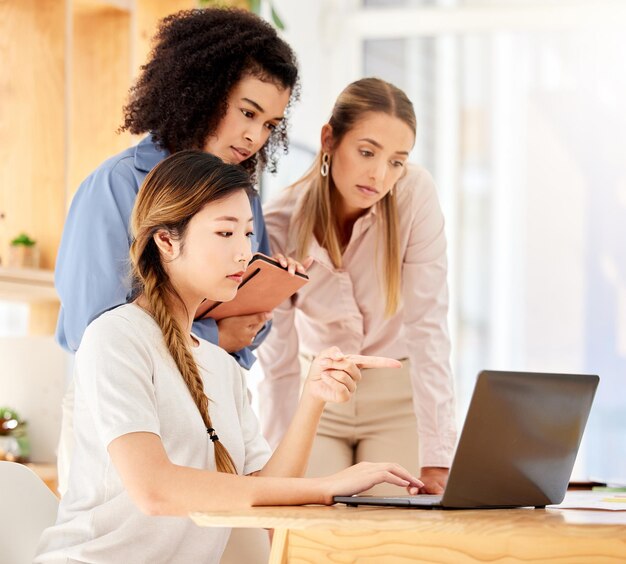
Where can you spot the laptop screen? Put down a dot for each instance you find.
(519, 439)
(518, 444)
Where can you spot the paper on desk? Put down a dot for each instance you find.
(604, 501)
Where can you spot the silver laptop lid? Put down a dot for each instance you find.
(520, 439)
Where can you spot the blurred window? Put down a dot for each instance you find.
(524, 132)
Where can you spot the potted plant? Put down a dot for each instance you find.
(23, 252)
(14, 442)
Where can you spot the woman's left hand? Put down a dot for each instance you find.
(292, 265)
(333, 376)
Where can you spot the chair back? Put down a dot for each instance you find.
(27, 507)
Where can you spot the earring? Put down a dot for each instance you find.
(391, 192)
(325, 164)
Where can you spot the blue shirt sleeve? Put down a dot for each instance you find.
(92, 270)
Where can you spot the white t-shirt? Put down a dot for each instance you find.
(126, 381)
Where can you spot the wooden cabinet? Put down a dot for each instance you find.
(33, 124)
(66, 67)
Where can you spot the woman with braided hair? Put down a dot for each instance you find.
(219, 81)
(163, 422)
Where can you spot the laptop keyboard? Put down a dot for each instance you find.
(428, 498)
(422, 500)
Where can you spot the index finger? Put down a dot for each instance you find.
(373, 361)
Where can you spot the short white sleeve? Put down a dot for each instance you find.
(114, 375)
(258, 451)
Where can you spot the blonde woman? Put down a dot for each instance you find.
(162, 418)
(373, 224)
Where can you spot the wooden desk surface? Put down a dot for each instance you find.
(398, 519)
(382, 534)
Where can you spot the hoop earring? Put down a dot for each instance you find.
(325, 168)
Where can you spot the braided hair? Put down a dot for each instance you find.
(174, 191)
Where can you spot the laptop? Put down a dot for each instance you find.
(517, 447)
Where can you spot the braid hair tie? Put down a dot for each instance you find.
(212, 435)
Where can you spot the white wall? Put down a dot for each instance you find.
(318, 32)
(32, 381)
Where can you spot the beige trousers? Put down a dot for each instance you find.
(377, 424)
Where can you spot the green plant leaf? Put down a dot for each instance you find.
(23, 239)
(213, 4)
(276, 18)
(7, 413)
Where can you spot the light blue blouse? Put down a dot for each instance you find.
(93, 270)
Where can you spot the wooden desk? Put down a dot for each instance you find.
(381, 535)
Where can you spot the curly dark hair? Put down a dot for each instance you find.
(197, 58)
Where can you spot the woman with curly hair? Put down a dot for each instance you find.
(217, 80)
(164, 424)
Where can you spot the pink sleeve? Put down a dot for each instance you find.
(425, 305)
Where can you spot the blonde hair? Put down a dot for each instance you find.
(315, 215)
(172, 193)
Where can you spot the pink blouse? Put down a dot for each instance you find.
(346, 307)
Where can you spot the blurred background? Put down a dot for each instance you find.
(520, 120)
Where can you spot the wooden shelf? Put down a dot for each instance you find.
(29, 285)
(97, 5)
(65, 74)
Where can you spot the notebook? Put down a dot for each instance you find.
(265, 285)
(518, 444)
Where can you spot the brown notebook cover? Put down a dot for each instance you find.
(265, 285)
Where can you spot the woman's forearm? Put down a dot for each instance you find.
(184, 490)
(291, 457)
(159, 487)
